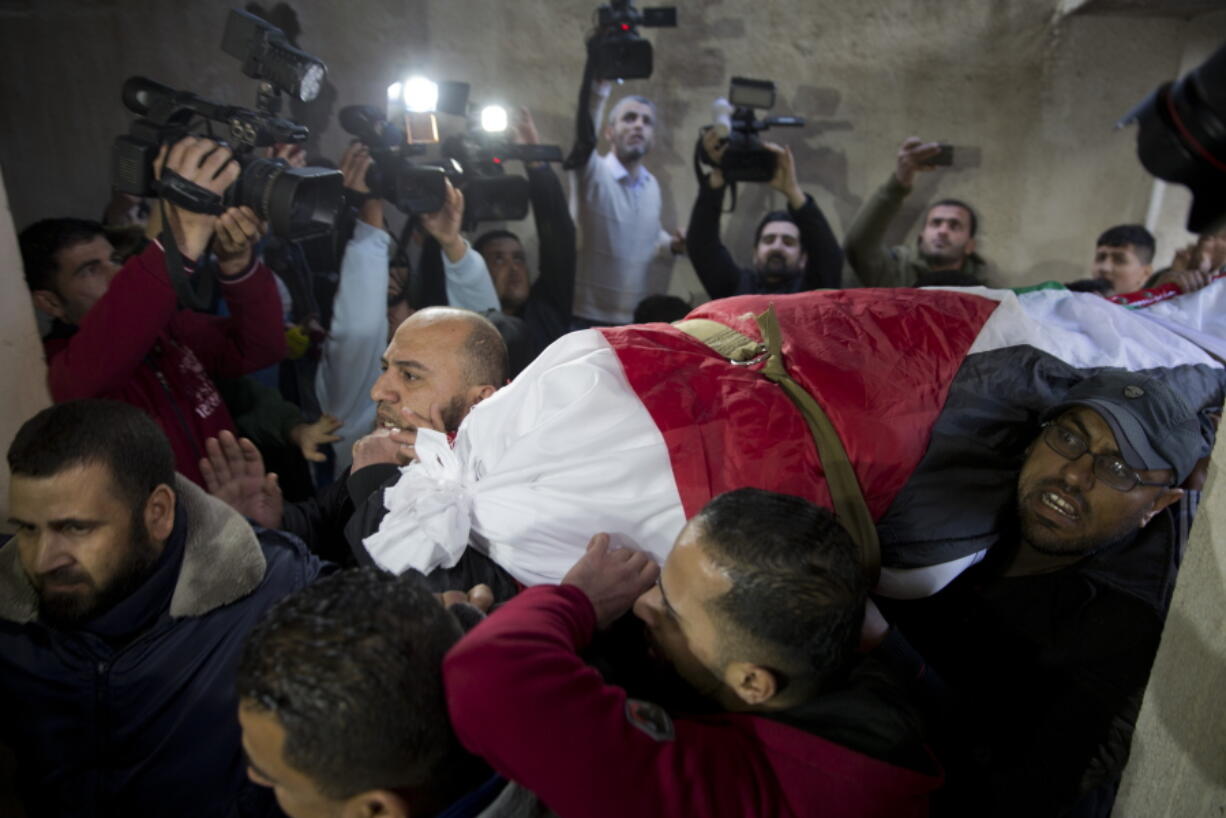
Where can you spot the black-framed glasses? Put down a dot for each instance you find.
(1109, 468)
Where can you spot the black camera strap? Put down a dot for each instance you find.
(188, 195)
(193, 296)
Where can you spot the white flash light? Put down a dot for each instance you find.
(493, 119)
(420, 95)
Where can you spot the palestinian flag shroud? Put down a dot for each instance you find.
(935, 393)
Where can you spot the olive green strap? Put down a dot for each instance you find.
(849, 506)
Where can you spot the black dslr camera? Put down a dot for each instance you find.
(617, 50)
(1182, 138)
(746, 159)
(296, 202)
(410, 187)
(490, 193)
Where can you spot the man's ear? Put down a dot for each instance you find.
(477, 394)
(608, 132)
(1163, 500)
(753, 684)
(376, 804)
(160, 513)
(48, 302)
(970, 246)
(804, 260)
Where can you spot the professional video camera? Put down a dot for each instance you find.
(1182, 138)
(410, 187)
(478, 158)
(746, 159)
(296, 202)
(617, 50)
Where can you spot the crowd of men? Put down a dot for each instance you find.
(189, 623)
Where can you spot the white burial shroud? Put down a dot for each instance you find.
(565, 451)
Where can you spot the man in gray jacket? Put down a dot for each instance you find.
(944, 252)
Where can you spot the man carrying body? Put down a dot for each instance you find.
(536, 315)
(794, 250)
(618, 209)
(944, 252)
(342, 708)
(1046, 645)
(119, 331)
(124, 601)
(758, 608)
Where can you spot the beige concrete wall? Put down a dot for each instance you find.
(1178, 765)
(1032, 95)
(23, 376)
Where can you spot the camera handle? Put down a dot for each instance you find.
(193, 297)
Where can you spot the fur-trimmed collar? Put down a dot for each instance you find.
(222, 561)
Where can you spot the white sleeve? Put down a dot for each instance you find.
(357, 337)
(469, 285)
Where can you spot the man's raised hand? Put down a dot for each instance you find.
(234, 473)
(915, 155)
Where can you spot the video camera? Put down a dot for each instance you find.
(479, 158)
(1181, 138)
(296, 202)
(617, 50)
(410, 187)
(746, 159)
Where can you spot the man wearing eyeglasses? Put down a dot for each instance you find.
(1045, 646)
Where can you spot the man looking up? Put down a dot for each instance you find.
(944, 252)
(1046, 645)
(125, 597)
(539, 313)
(618, 208)
(1123, 257)
(119, 332)
(342, 709)
(758, 607)
(794, 249)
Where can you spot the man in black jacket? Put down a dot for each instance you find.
(125, 598)
(537, 314)
(794, 250)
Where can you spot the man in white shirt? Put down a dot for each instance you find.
(624, 253)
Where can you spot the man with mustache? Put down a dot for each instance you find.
(125, 599)
(1046, 644)
(794, 249)
(944, 251)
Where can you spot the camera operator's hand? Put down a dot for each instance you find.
(523, 128)
(784, 179)
(309, 437)
(207, 164)
(292, 153)
(238, 229)
(444, 224)
(355, 164)
(913, 156)
(714, 145)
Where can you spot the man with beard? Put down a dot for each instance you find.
(758, 608)
(794, 249)
(619, 206)
(1046, 645)
(125, 598)
(944, 252)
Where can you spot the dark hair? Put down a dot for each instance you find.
(1090, 285)
(486, 354)
(970, 211)
(352, 668)
(798, 589)
(116, 435)
(773, 216)
(492, 235)
(43, 239)
(1121, 235)
(662, 308)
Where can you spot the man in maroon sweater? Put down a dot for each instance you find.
(119, 332)
(758, 608)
